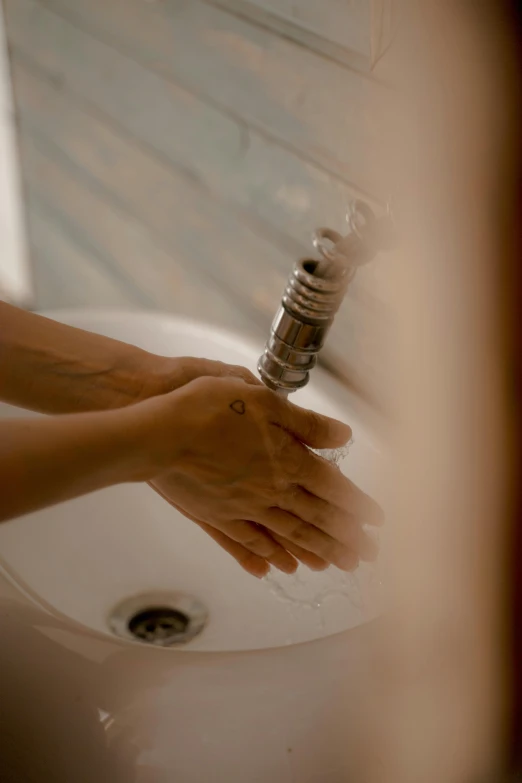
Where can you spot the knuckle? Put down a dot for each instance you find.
(300, 532)
(279, 486)
(256, 542)
(292, 492)
(258, 545)
(326, 515)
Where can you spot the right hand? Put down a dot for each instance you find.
(233, 458)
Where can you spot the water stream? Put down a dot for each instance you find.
(330, 590)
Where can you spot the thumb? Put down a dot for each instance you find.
(312, 429)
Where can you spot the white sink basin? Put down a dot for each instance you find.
(246, 700)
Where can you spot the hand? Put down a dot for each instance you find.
(232, 457)
(155, 374)
(158, 375)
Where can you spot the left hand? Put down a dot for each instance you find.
(154, 375)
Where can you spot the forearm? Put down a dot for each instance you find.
(46, 461)
(50, 367)
(54, 368)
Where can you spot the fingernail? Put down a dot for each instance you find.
(321, 567)
(288, 568)
(260, 574)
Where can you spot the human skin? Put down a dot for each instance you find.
(235, 461)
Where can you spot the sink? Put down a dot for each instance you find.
(265, 692)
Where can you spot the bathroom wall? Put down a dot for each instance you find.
(177, 155)
(15, 280)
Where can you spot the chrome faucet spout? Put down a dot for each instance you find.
(313, 295)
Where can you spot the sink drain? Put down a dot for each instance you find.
(159, 625)
(161, 619)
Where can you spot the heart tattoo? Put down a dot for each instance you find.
(238, 406)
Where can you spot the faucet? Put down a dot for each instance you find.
(314, 293)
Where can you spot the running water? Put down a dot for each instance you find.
(335, 455)
(327, 591)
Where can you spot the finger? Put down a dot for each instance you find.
(313, 429)
(339, 524)
(299, 532)
(236, 371)
(321, 478)
(306, 558)
(347, 531)
(319, 513)
(253, 564)
(197, 368)
(254, 538)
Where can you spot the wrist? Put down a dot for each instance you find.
(138, 375)
(53, 368)
(153, 431)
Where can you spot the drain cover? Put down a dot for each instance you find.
(162, 619)
(162, 624)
